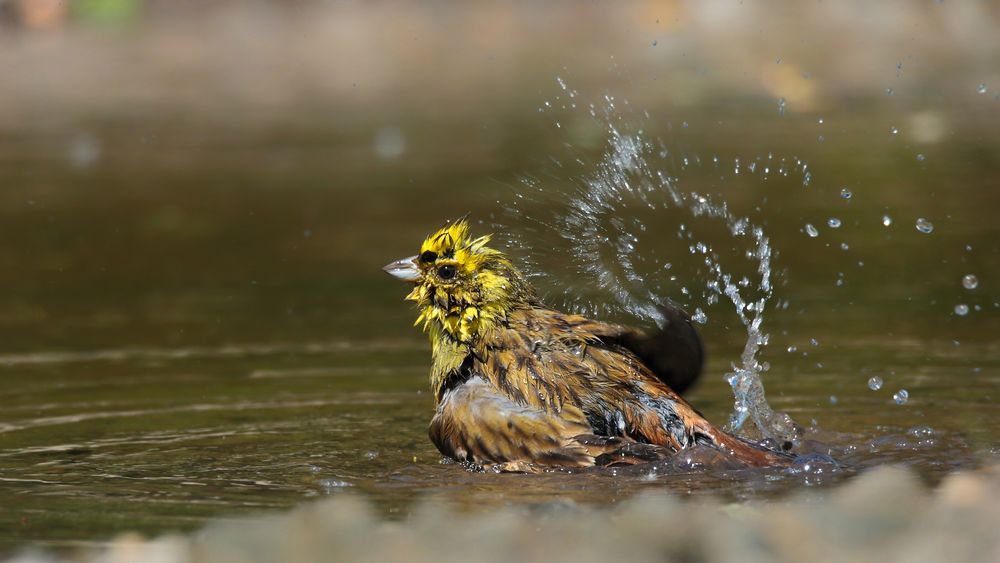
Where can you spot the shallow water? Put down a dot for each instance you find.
(157, 440)
(162, 371)
(194, 322)
(202, 354)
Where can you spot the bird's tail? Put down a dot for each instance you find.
(751, 454)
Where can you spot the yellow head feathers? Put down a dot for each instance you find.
(452, 244)
(463, 287)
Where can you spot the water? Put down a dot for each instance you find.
(901, 397)
(601, 230)
(193, 325)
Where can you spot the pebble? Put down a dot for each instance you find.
(884, 514)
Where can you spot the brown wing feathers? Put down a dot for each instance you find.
(561, 390)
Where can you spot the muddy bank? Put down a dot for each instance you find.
(884, 515)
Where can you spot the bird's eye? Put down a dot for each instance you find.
(447, 272)
(428, 256)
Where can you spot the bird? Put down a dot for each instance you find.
(522, 387)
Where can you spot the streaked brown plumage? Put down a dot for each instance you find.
(525, 388)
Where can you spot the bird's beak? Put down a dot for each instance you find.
(405, 269)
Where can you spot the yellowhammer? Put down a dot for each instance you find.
(523, 387)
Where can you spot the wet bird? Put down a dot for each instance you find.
(522, 387)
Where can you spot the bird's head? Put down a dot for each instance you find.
(462, 286)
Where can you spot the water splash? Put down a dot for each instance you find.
(597, 233)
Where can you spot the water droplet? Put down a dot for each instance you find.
(792, 349)
(814, 342)
(820, 139)
(684, 124)
(844, 246)
(811, 230)
(894, 131)
(781, 106)
(875, 383)
(699, 316)
(925, 226)
(889, 91)
(845, 193)
(807, 178)
(833, 223)
(901, 397)
(654, 43)
(833, 399)
(921, 157)
(820, 121)
(886, 220)
(970, 281)
(981, 88)
(961, 309)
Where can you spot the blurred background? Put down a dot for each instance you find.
(193, 172)
(196, 199)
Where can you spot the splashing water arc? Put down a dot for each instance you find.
(598, 230)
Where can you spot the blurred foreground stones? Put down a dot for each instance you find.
(886, 514)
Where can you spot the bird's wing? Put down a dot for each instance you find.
(560, 364)
(672, 351)
(543, 359)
